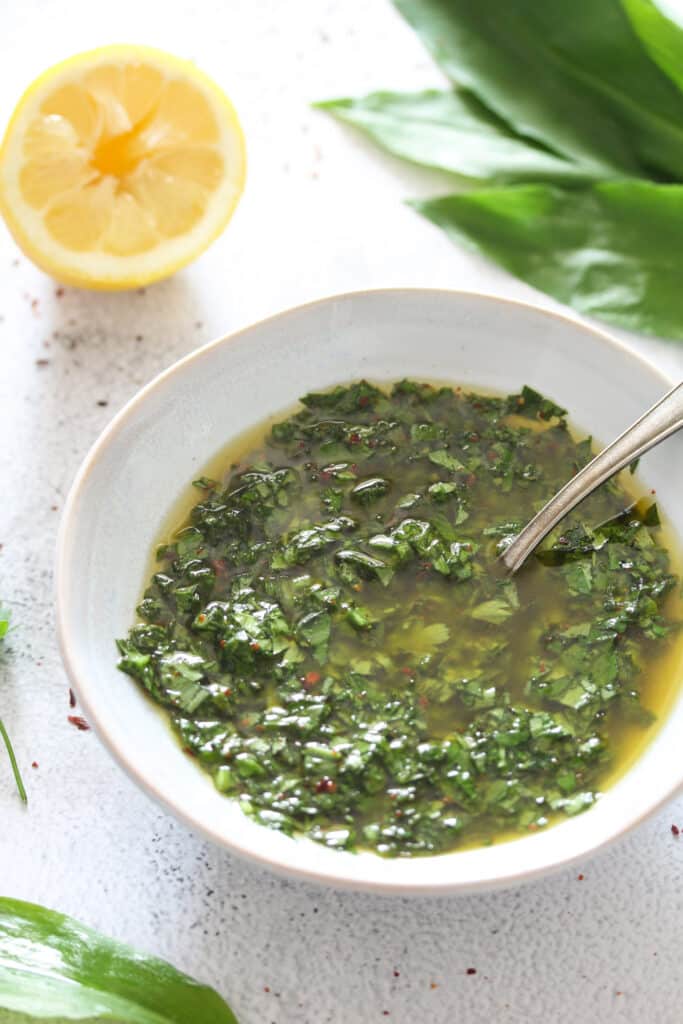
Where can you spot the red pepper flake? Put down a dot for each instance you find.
(325, 476)
(222, 643)
(201, 619)
(579, 878)
(79, 722)
(34, 764)
(397, 974)
(385, 1013)
(364, 401)
(42, 362)
(189, 751)
(471, 970)
(72, 699)
(533, 827)
(354, 438)
(407, 671)
(266, 988)
(255, 645)
(474, 436)
(433, 984)
(311, 679)
(326, 785)
(653, 492)
(227, 692)
(675, 830)
(423, 701)
(470, 480)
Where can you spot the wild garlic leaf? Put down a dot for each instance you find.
(612, 250)
(55, 969)
(572, 76)
(5, 616)
(453, 131)
(662, 38)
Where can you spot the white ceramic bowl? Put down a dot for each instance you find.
(157, 444)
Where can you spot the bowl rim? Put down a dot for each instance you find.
(337, 878)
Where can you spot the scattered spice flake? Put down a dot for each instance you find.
(675, 830)
(385, 1013)
(312, 679)
(79, 722)
(72, 698)
(34, 764)
(53, 508)
(397, 974)
(434, 984)
(471, 970)
(266, 988)
(138, 337)
(59, 293)
(199, 324)
(103, 402)
(142, 291)
(579, 878)
(42, 362)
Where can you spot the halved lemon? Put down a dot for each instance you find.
(119, 166)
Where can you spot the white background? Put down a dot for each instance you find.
(322, 213)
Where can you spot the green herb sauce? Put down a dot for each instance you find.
(333, 639)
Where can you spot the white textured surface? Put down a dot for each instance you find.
(322, 213)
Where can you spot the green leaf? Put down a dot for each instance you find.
(314, 629)
(5, 616)
(4, 735)
(651, 515)
(612, 250)
(453, 131)
(572, 76)
(54, 969)
(494, 611)
(662, 38)
(443, 458)
(579, 577)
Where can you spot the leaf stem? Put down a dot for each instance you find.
(13, 761)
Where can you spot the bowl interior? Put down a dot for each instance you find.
(152, 450)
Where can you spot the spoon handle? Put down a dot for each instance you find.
(663, 419)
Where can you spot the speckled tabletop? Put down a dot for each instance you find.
(322, 214)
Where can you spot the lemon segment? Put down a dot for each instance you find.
(119, 166)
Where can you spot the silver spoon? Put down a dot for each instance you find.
(663, 419)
